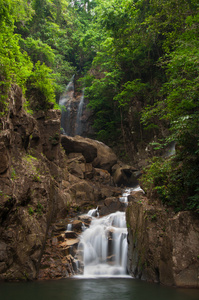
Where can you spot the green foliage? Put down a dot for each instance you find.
(36, 178)
(38, 51)
(41, 87)
(130, 52)
(15, 64)
(174, 182)
(30, 210)
(13, 174)
(39, 209)
(54, 139)
(131, 89)
(178, 185)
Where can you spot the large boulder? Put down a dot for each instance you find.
(79, 144)
(163, 246)
(95, 152)
(106, 158)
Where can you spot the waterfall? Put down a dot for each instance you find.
(65, 103)
(102, 249)
(104, 246)
(79, 114)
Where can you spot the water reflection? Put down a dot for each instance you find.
(93, 289)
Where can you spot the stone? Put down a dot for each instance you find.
(82, 191)
(3, 267)
(70, 235)
(4, 161)
(163, 246)
(77, 157)
(70, 242)
(77, 225)
(106, 158)
(79, 145)
(3, 252)
(125, 176)
(111, 205)
(102, 176)
(76, 168)
(85, 219)
(95, 152)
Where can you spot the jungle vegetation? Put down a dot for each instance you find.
(124, 51)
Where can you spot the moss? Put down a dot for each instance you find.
(54, 139)
(30, 211)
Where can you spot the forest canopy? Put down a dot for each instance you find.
(126, 52)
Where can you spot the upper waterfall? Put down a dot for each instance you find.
(65, 103)
(78, 129)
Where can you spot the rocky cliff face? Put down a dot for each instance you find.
(40, 185)
(31, 172)
(163, 246)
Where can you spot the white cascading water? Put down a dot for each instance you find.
(103, 246)
(79, 115)
(65, 100)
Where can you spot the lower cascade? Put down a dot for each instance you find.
(102, 250)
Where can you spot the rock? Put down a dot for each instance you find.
(106, 158)
(77, 225)
(70, 235)
(163, 247)
(3, 267)
(3, 252)
(102, 176)
(111, 205)
(32, 167)
(94, 151)
(89, 173)
(4, 161)
(70, 242)
(54, 241)
(85, 219)
(83, 192)
(125, 176)
(76, 165)
(76, 156)
(79, 145)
